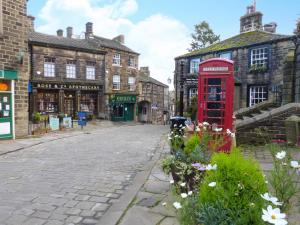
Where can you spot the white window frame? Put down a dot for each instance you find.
(116, 82)
(131, 83)
(49, 67)
(257, 94)
(71, 69)
(117, 59)
(90, 71)
(194, 65)
(259, 57)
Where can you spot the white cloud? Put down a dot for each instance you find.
(157, 38)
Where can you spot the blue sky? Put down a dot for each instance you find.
(158, 29)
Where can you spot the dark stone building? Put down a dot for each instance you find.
(259, 55)
(121, 67)
(14, 68)
(153, 99)
(67, 75)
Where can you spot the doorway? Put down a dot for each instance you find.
(70, 104)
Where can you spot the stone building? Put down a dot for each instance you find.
(153, 99)
(259, 55)
(67, 75)
(121, 66)
(14, 68)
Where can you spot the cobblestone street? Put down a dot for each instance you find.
(74, 180)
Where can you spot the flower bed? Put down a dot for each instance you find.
(215, 188)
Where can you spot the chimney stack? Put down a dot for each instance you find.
(60, 33)
(144, 71)
(31, 22)
(69, 32)
(252, 20)
(120, 39)
(88, 29)
(270, 27)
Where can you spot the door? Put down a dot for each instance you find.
(212, 100)
(128, 112)
(6, 128)
(70, 104)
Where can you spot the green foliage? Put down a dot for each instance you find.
(203, 36)
(167, 164)
(283, 178)
(192, 109)
(239, 183)
(255, 69)
(214, 214)
(37, 117)
(192, 143)
(189, 211)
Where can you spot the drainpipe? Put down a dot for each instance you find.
(296, 42)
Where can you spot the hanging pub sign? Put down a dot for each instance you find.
(67, 86)
(4, 86)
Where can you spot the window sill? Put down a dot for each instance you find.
(116, 65)
(132, 67)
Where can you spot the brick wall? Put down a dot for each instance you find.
(12, 42)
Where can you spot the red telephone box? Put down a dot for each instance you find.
(215, 94)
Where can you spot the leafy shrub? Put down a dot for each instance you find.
(37, 117)
(168, 163)
(189, 211)
(192, 143)
(239, 183)
(214, 214)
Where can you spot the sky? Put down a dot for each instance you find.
(159, 30)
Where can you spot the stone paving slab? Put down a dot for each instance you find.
(74, 180)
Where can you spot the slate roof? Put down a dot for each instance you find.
(147, 79)
(64, 42)
(242, 40)
(113, 44)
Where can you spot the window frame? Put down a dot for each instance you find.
(193, 68)
(192, 95)
(132, 61)
(266, 59)
(49, 67)
(116, 61)
(90, 71)
(223, 53)
(116, 85)
(262, 94)
(71, 69)
(131, 85)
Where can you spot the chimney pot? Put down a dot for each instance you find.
(60, 33)
(69, 32)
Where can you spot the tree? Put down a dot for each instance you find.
(203, 36)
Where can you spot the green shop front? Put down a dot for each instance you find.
(7, 126)
(122, 107)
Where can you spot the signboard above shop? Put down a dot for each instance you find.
(123, 99)
(43, 85)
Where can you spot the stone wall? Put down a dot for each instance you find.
(297, 72)
(13, 44)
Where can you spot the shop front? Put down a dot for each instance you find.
(67, 99)
(122, 107)
(7, 123)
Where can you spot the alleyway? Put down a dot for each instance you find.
(74, 180)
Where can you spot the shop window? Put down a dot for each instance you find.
(118, 111)
(49, 67)
(257, 94)
(259, 57)
(117, 59)
(47, 102)
(131, 61)
(194, 65)
(131, 83)
(116, 82)
(90, 70)
(88, 102)
(71, 69)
